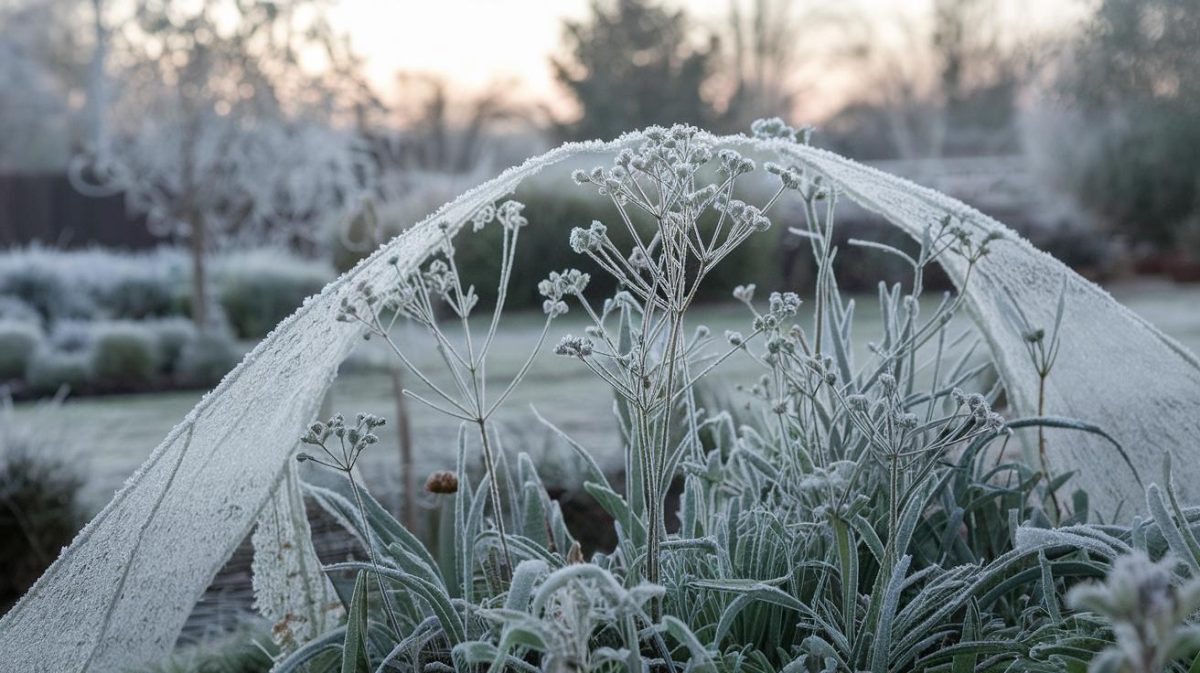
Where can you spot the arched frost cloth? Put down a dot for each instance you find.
(1114, 369)
(120, 593)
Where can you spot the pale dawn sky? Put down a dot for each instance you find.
(475, 43)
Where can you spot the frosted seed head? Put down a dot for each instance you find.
(638, 259)
(734, 338)
(1034, 336)
(744, 293)
(554, 308)
(483, 217)
(888, 383)
(509, 214)
(858, 403)
(783, 305)
(773, 127)
(573, 346)
(579, 240)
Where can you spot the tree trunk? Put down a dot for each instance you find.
(200, 312)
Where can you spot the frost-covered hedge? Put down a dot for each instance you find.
(100, 320)
(114, 355)
(255, 288)
(18, 340)
(259, 288)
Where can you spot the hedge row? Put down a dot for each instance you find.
(113, 355)
(254, 289)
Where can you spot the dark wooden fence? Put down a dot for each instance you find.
(47, 209)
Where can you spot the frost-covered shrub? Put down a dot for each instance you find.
(124, 352)
(92, 284)
(206, 358)
(51, 368)
(12, 308)
(73, 336)
(261, 286)
(41, 286)
(18, 341)
(258, 289)
(40, 509)
(173, 335)
(139, 296)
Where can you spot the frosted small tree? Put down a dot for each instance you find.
(41, 63)
(224, 130)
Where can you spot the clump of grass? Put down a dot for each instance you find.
(40, 508)
(864, 514)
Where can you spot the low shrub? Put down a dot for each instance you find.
(40, 508)
(12, 308)
(124, 352)
(139, 296)
(42, 286)
(173, 335)
(73, 336)
(18, 341)
(50, 369)
(260, 288)
(206, 358)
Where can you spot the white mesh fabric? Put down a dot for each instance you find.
(290, 588)
(119, 594)
(1114, 369)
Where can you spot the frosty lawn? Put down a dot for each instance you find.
(122, 430)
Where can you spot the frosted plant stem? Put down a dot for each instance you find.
(370, 534)
(494, 488)
(1042, 441)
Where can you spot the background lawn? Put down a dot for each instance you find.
(114, 434)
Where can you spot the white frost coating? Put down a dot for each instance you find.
(1114, 370)
(120, 593)
(290, 588)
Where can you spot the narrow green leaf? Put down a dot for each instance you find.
(354, 647)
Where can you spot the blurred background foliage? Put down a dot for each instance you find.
(157, 142)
